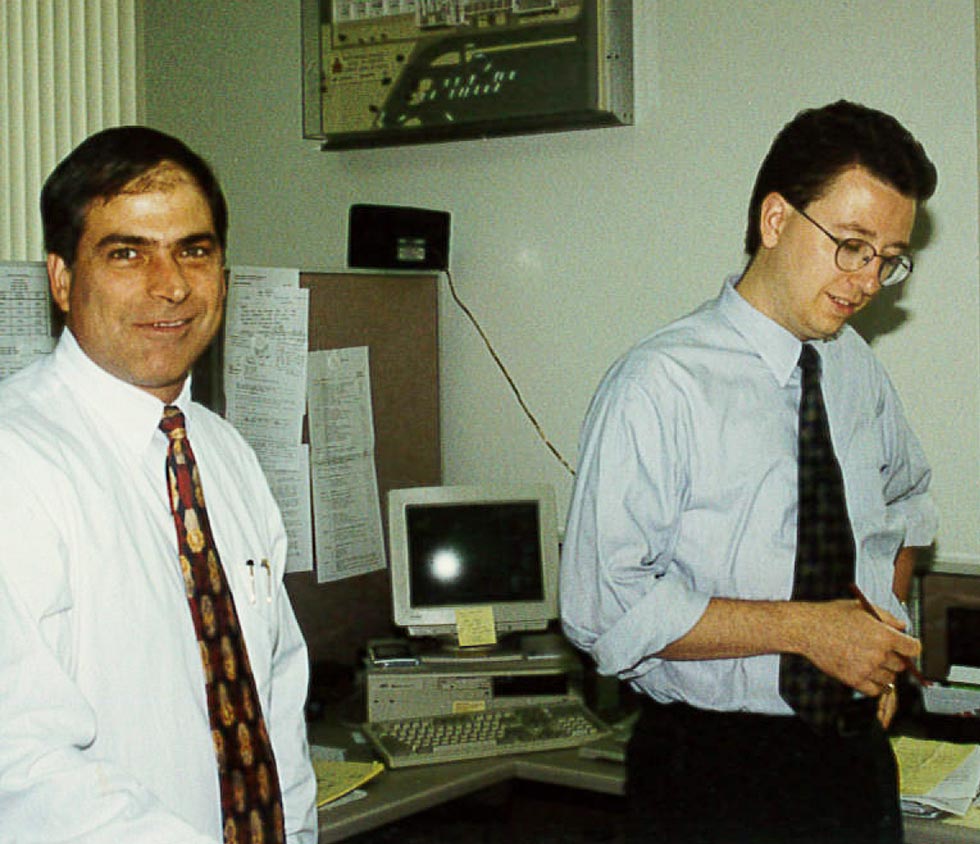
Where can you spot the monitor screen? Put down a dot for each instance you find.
(460, 547)
(950, 618)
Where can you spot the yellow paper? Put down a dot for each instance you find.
(469, 706)
(335, 779)
(475, 626)
(924, 764)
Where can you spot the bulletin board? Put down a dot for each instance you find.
(396, 317)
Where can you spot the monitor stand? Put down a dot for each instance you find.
(449, 651)
(513, 647)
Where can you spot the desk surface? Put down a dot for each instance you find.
(919, 831)
(400, 793)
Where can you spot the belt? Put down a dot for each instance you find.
(856, 718)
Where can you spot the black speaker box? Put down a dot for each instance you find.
(393, 237)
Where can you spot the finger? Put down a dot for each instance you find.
(891, 620)
(882, 712)
(887, 707)
(869, 687)
(894, 664)
(883, 678)
(882, 689)
(897, 640)
(906, 646)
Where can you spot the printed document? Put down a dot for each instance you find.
(25, 315)
(346, 507)
(266, 341)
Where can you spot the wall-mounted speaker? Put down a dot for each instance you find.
(394, 237)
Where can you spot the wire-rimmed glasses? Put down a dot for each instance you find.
(855, 254)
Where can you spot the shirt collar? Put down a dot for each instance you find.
(777, 347)
(129, 414)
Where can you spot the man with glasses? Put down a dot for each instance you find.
(680, 563)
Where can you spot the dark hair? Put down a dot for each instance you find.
(101, 166)
(819, 144)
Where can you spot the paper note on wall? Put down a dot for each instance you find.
(346, 505)
(266, 341)
(25, 315)
(265, 389)
(287, 468)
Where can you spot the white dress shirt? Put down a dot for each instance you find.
(687, 490)
(104, 731)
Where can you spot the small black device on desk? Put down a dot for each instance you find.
(391, 653)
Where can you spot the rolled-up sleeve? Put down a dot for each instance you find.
(622, 598)
(905, 474)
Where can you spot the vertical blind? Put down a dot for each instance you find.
(67, 69)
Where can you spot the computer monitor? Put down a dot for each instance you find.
(950, 619)
(455, 548)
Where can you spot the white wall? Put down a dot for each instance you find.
(571, 246)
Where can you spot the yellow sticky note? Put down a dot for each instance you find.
(469, 706)
(475, 626)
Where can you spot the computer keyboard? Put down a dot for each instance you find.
(473, 735)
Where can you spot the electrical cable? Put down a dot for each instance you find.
(506, 374)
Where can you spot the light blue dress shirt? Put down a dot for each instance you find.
(686, 490)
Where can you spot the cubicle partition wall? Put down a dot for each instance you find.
(396, 317)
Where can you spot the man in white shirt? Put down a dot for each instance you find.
(679, 555)
(104, 728)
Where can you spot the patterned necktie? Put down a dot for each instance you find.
(251, 803)
(824, 549)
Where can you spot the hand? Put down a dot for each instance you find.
(846, 642)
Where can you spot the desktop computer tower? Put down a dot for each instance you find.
(444, 687)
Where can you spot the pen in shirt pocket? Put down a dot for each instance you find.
(268, 582)
(251, 580)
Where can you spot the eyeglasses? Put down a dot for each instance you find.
(855, 254)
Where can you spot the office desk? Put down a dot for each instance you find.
(918, 831)
(399, 793)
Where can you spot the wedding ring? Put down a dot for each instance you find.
(889, 688)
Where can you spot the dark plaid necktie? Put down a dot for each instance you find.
(824, 548)
(251, 803)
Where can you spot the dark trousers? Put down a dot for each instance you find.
(696, 777)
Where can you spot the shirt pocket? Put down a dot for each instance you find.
(255, 593)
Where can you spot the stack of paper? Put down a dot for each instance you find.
(336, 778)
(937, 777)
(951, 700)
(958, 695)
